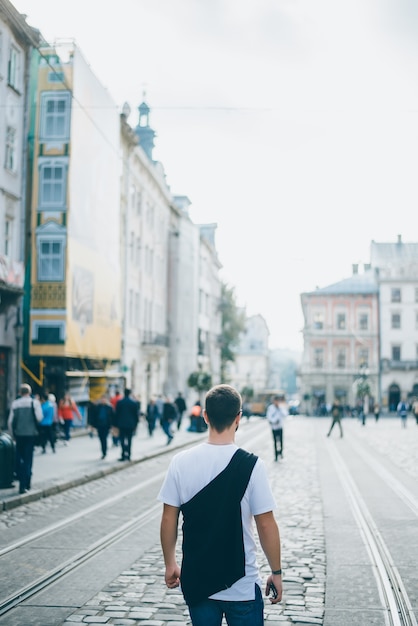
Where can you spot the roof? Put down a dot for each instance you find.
(384, 254)
(357, 284)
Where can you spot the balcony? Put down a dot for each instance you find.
(150, 339)
(390, 364)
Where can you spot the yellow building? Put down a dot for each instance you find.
(73, 317)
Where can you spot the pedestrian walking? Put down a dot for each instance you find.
(181, 407)
(46, 430)
(24, 419)
(376, 411)
(113, 401)
(152, 416)
(220, 490)
(126, 420)
(195, 415)
(103, 417)
(67, 408)
(276, 413)
(336, 413)
(169, 417)
(402, 410)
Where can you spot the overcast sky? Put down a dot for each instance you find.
(292, 124)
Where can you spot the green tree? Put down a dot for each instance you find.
(233, 323)
(200, 381)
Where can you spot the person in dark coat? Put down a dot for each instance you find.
(168, 418)
(25, 414)
(181, 407)
(102, 421)
(152, 416)
(126, 420)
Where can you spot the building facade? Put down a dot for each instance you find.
(209, 316)
(183, 299)
(397, 273)
(145, 234)
(17, 40)
(341, 343)
(251, 366)
(73, 312)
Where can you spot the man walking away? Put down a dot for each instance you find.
(336, 412)
(220, 489)
(181, 407)
(169, 417)
(276, 412)
(102, 421)
(127, 417)
(25, 413)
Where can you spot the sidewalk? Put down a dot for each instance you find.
(80, 462)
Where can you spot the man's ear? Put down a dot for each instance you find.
(205, 417)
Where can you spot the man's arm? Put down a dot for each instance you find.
(269, 535)
(38, 410)
(168, 536)
(10, 421)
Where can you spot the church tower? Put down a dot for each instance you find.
(144, 132)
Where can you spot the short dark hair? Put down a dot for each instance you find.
(223, 403)
(127, 393)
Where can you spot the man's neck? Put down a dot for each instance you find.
(226, 437)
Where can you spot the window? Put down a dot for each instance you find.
(48, 332)
(319, 357)
(8, 237)
(363, 321)
(10, 156)
(416, 294)
(363, 357)
(395, 294)
(396, 320)
(52, 184)
(55, 116)
(318, 321)
(416, 321)
(341, 358)
(13, 73)
(341, 321)
(396, 353)
(50, 260)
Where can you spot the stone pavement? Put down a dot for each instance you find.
(80, 462)
(138, 596)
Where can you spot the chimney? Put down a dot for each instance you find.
(399, 239)
(355, 268)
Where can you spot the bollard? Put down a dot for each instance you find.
(7, 460)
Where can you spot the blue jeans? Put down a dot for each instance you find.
(237, 613)
(67, 427)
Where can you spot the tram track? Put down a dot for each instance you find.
(137, 521)
(395, 600)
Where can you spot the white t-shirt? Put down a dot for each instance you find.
(190, 471)
(275, 416)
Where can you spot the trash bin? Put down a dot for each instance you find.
(7, 460)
